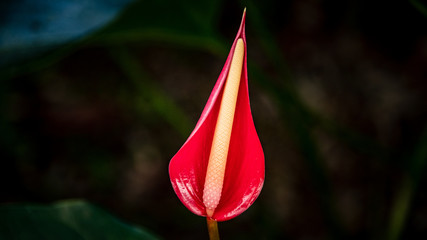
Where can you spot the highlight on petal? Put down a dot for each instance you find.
(219, 171)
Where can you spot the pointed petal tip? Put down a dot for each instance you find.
(188, 166)
(244, 15)
(241, 31)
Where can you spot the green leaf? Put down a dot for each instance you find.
(422, 8)
(189, 23)
(65, 220)
(178, 17)
(30, 28)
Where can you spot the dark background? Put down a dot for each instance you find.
(338, 95)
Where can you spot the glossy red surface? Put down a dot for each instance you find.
(244, 174)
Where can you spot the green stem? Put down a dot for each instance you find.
(212, 229)
(400, 209)
(408, 188)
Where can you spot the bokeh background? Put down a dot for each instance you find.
(97, 96)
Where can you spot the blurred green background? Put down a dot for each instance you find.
(97, 96)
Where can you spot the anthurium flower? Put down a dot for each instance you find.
(219, 171)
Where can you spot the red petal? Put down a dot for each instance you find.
(244, 174)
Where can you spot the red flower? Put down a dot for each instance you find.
(219, 171)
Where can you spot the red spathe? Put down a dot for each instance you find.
(244, 173)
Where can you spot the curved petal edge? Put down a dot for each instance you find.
(245, 170)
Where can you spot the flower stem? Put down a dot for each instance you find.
(212, 229)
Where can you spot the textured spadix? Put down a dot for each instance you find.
(219, 171)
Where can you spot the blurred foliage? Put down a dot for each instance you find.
(64, 220)
(420, 6)
(29, 28)
(337, 92)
